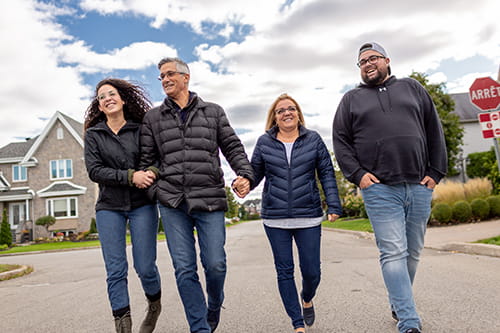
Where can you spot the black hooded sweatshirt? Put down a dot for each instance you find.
(391, 130)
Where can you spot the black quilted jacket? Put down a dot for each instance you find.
(187, 154)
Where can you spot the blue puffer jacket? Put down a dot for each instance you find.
(290, 191)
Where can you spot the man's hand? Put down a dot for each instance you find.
(367, 180)
(241, 186)
(429, 182)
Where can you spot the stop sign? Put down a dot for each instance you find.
(485, 93)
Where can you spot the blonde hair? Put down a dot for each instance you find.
(271, 115)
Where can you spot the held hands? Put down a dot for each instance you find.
(367, 180)
(241, 186)
(143, 179)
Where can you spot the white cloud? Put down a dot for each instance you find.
(33, 85)
(133, 57)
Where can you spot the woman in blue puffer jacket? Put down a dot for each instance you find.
(290, 156)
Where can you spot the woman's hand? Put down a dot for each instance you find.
(333, 217)
(143, 179)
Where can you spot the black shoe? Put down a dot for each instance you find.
(309, 315)
(395, 316)
(412, 330)
(213, 317)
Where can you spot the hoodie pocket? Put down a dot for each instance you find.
(400, 156)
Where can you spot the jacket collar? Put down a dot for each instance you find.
(101, 126)
(168, 104)
(273, 131)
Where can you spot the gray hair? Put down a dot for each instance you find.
(180, 65)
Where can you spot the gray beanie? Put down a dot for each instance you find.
(372, 46)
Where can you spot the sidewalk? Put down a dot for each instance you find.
(455, 238)
(458, 238)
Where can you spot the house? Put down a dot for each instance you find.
(473, 140)
(46, 175)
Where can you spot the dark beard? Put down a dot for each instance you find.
(377, 79)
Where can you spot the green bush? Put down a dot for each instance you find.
(354, 206)
(462, 211)
(494, 202)
(5, 234)
(479, 164)
(480, 209)
(46, 221)
(442, 212)
(93, 226)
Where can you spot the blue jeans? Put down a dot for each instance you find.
(399, 215)
(308, 245)
(112, 228)
(179, 225)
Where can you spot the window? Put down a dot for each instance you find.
(61, 169)
(60, 133)
(19, 173)
(62, 207)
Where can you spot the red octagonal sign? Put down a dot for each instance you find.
(485, 93)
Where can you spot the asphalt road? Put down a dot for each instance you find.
(67, 291)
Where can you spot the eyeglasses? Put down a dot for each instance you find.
(283, 110)
(371, 59)
(168, 74)
(102, 97)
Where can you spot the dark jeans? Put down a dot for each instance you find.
(308, 245)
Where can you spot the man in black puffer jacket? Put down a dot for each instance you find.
(182, 137)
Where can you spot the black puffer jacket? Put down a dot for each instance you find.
(188, 154)
(110, 159)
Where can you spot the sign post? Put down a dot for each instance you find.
(484, 93)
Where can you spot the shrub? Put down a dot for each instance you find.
(93, 226)
(462, 211)
(448, 192)
(354, 206)
(5, 234)
(442, 212)
(46, 221)
(477, 188)
(479, 164)
(494, 202)
(480, 209)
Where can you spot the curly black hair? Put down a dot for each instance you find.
(135, 97)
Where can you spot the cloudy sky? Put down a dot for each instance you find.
(242, 54)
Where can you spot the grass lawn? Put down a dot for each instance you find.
(5, 267)
(493, 241)
(350, 224)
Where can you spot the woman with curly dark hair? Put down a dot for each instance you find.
(112, 153)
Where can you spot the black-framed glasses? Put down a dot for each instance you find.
(168, 74)
(371, 60)
(283, 110)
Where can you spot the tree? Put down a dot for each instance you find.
(5, 234)
(93, 226)
(453, 131)
(232, 210)
(46, 221)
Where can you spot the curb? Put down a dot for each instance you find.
(8, 274)
(467, 248)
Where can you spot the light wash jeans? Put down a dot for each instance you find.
(179, 226)
(399, 215)
(112, 228)
(308, 245)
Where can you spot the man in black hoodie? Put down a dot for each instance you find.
(388, 140)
